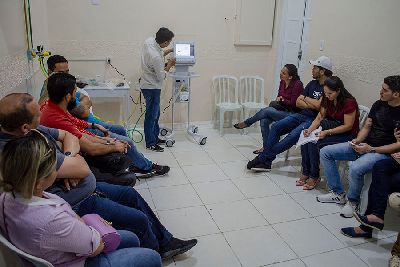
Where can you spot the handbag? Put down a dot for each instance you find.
(329, 123)
(111, 162)
(279, 106)
(108, 234)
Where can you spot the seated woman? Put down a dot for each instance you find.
(385, 180)
(44, 225)
(339, 120)
(290, 88)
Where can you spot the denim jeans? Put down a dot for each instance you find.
(127, 210)
(138, 159)
(77, 194)
(128, 253)
(115, 128)
(359, 166)
(291, 125)
(310, 153)
(385, 180)
(151, 127)
(266, 116)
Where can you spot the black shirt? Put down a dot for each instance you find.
(384, 118)
(313, 90)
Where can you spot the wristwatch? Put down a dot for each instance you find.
(67, 153)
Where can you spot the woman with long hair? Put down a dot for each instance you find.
(43, 224)
(338, 118)
(290, 88)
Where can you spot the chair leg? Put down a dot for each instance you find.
(287, 155)
(221, 122)
(230, 125)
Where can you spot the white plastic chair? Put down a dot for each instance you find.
(225, 88)
(38, 262)
(251, 90)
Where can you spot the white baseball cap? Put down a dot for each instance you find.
(323, 61)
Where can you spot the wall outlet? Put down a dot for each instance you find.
(95, 2)
(321, 45)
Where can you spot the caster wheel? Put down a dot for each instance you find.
(196, 129)
(163, 132)
(203, 141)
(169, 143)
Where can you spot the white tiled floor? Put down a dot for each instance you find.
(246, 219)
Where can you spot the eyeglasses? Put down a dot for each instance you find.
(43, 137)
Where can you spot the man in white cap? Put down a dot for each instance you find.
(309, 101)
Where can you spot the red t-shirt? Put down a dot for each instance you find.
(350, 105)
(54, 117)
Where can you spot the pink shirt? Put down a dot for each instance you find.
(47, 228)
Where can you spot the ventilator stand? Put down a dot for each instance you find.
(181, 94)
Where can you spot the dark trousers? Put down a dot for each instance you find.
(385, 180)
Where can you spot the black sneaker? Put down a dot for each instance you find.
(160, 141)
(142, 174)
(156, 148)
(175, 247)
(159, 169)
(259, 166)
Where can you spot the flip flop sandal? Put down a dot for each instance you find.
(302, 181)
(311, 184)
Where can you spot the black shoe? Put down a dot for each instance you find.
(364, 221)
(175, 247)
(160, 141)
(142, 174)
(156, 148)
(159, 169)
(259, 166)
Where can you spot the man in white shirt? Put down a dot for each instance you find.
(153, 75)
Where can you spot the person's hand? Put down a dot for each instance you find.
(307, 132)
(279, 98)
(167, 51)
(362, 148)
(70, 183)
(397, 134)
(322, 134)
(171, 62)
(355, 141)
(102, 129)
(396, 155)
(120, 147)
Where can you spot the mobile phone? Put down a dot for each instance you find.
(351, 143)
(396, 125)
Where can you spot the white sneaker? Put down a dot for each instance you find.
(394, 200)
(394, 261)
(348, 209)
(332, 197)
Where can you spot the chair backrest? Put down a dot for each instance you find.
(364, 111)
(35, 261)
(225, 89)
(251, 89)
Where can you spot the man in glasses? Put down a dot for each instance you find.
(121, 205)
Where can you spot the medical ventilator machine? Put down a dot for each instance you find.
(184, 53)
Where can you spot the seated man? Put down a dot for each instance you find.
(309, 101)
(61, 88)
(57, 63)
(374, 142)
(385, 180)
(121, 205)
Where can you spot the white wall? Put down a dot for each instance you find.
(117, 29)
(362, 38)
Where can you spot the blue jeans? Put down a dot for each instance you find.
(128, 253)
(77, 194)
(359, 166)
(138, 159)
(310, 153)
(127, 210)
(291, 125)
(151, 127)
(115, 128)
(266, 116)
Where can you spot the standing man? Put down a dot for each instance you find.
(153, 75)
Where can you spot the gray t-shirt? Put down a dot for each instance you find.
(50, 133)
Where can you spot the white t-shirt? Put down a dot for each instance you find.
(153, 73)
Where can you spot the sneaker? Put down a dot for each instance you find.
(175, 247)
(160, 141)
(394, 261)
(394, 200)
(156, 148)
(348, 209)
(259, 166)
(159, 169)
(332, 197)
(142, 174)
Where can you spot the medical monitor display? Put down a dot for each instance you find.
(183, 50)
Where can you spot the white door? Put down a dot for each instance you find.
(294, 38)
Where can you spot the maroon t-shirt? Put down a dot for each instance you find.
(350, 105)
(291, 93)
